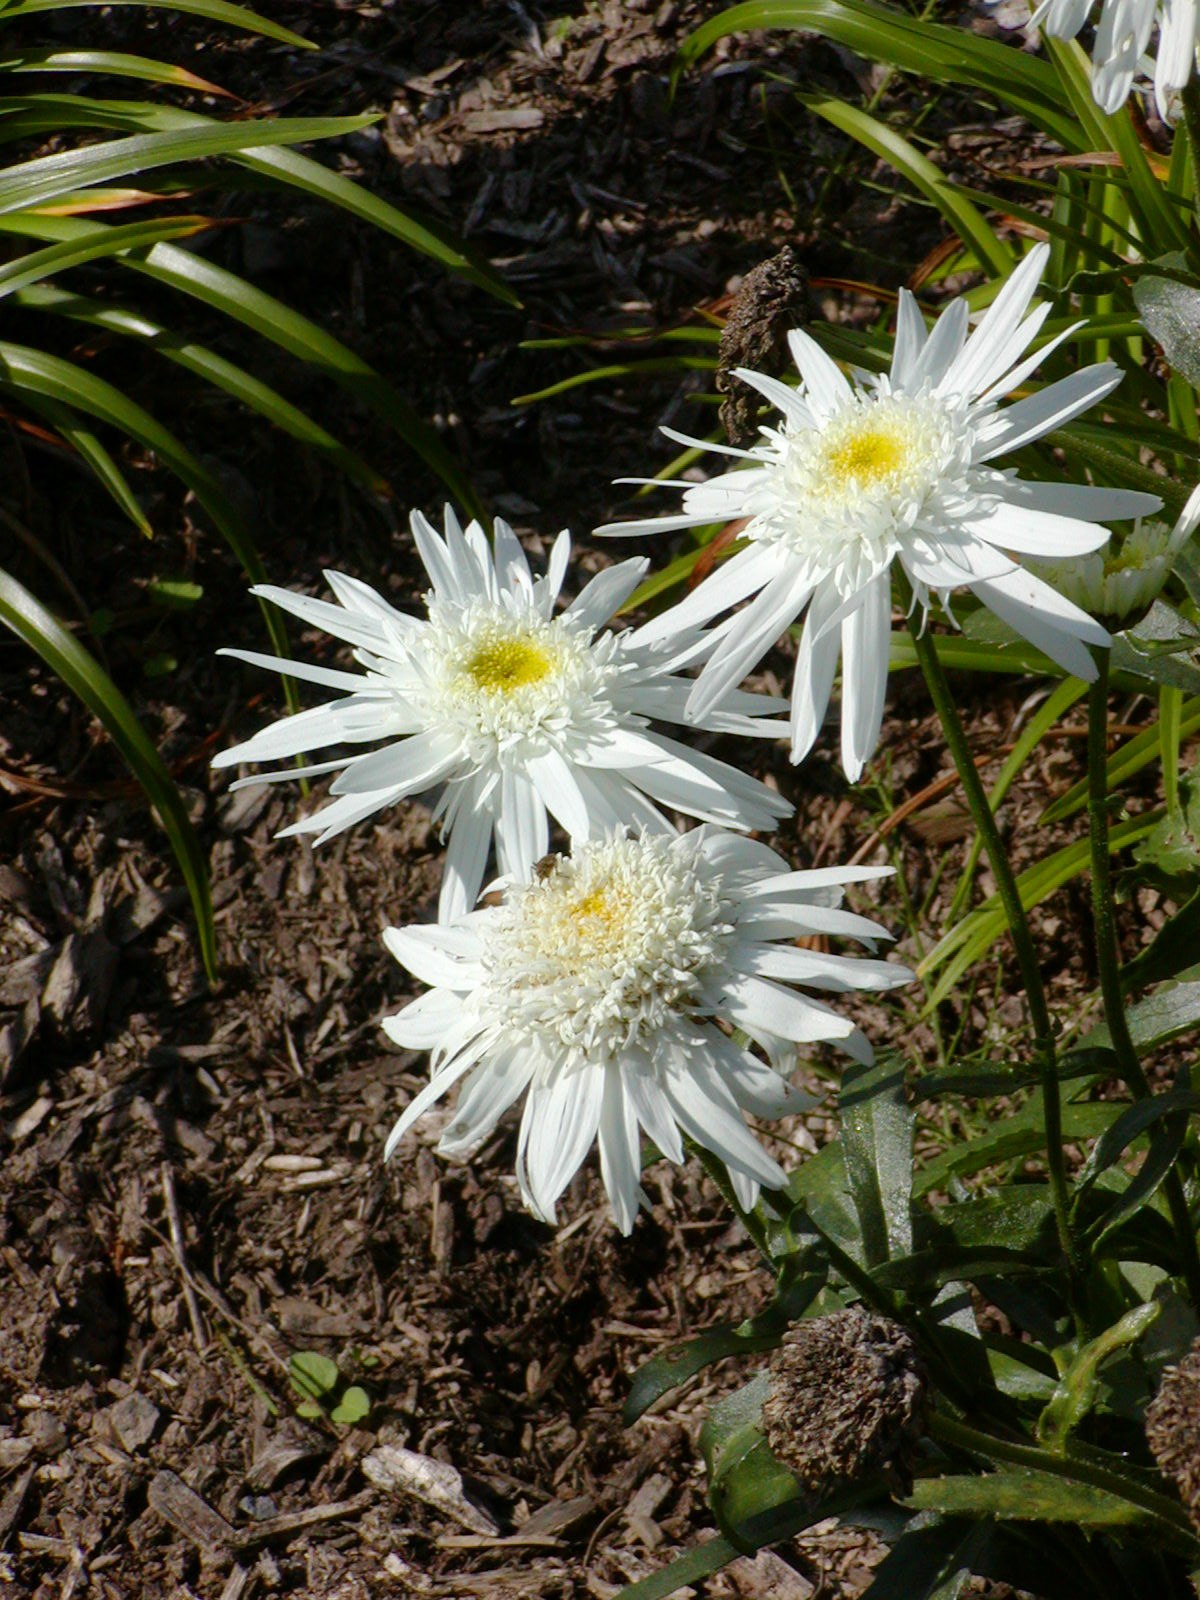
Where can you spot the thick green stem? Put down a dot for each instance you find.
(1107, 960)
(1006, 883)
(960, 1436)
(1191, 124)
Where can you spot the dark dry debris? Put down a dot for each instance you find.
(847, 1401)
(1173, 1429)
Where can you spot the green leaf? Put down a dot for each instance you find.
(991, 252)
(932, 50)
(174, 594)
(39, 264)
(877, 1141)
(111, 62)
(1155, 647)
(220, 11)
(26, 369)
(1170, 1011)
(1020, 1135)
(1026, 1496)
(313, 1374)
(933, 1560)
(354, 1405)
(1078, 1389)
(962, 946)
(1172, 949)
(205, 363)
(85, 442)
(1134, 1121)
(34, 183)
(84, 676)
(744, 1477)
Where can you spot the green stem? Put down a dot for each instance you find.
(960, 1436)
(1191, 124)
(1010, 897)
(1107, 960)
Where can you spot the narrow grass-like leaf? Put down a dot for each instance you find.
(972, 227)
(207, 364)
(39, 264)
(30, 621)
(25, 369)
(970, 941)
(1128, 759)
(64, 421)
(112, 63)
(32, 183)
(220, 11)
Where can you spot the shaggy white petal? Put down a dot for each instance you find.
(1122, 37)
(601, 988)
(498, 708)
(860, 472)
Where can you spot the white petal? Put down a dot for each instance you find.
(837, 973)
(557, 1130)
(945, 340)
(421, 1101)
(342, 814)
(826, 386)
(708, 1113)
(1046, 619)
(1028, 531)
(1052, 407)
(436, 558)
(522, 831)
(425, 949)
(426, 1021)
(736, 578)
(999, 340)
(349, 721)
(752, 633)
(757, 1003)
(342, 624)
(866, 647)
(466, 857)
(410, 765)
(498, 1083)
(620, 1150)
(812, 681)
(653, 1111)
(512, 569)
(326, 676)
(556, 784)
(607, 592)
(781, 395)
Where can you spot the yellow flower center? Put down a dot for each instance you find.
(508, 664)
(866, 458)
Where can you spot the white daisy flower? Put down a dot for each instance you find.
(1120, 585)
(861, 473)
(603, 990)
(1122, 35)
(510, 710)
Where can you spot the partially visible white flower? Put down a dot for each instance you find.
(510, 710)
(1119, 50)
(895, 467)
(1124, 582)
(599, 990)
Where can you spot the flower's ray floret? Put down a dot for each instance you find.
(512, 710)
(1122, 38)
(605, 989)
(898, 467)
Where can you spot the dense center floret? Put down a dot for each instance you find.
(604, 946)
(505, 664)
(843, 495)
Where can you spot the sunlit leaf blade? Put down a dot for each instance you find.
(971, 226)
(975, 935)
(31, 183)
(26, 369)
(81, 438)
(1170, 1011)
(110, 62)
(945, 54)
(207, 364)
(1027, 1496)
(220, 11)
(877, 1138)
(1128, 759)
(39, 264)
(203, 280)
(55, 112)
(84, 676)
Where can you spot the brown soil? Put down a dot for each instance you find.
(192, 1186)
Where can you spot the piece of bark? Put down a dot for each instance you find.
(190, 1514)
(437, 1483)
(772, 299)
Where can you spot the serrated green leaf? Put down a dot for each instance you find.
(1025, 1496)
(86, 679)
(1170, 310)
(1078, 1388)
